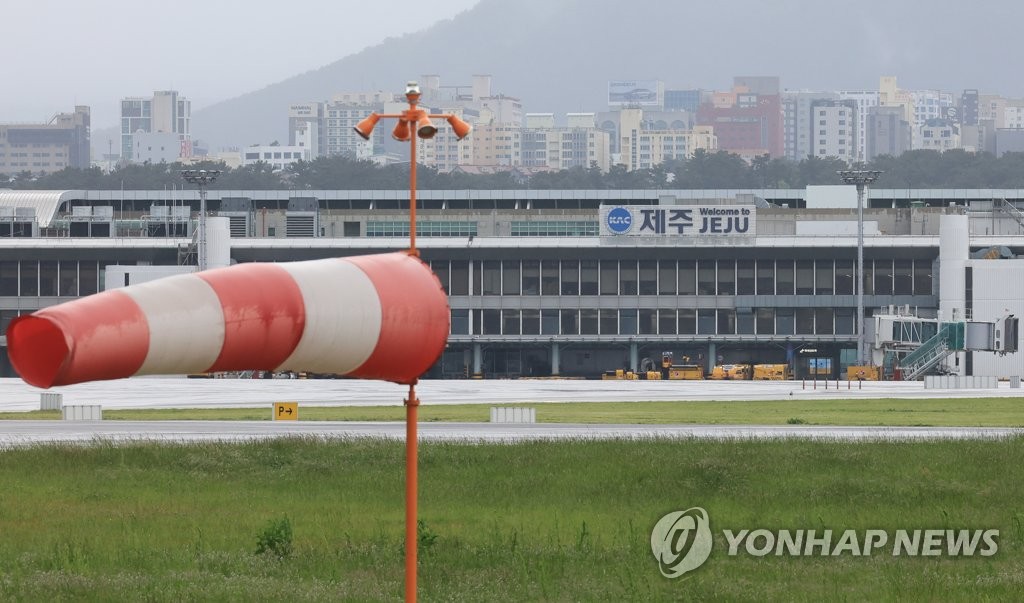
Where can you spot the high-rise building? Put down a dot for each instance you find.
(339, 135)
(62, 142)
(969, 108)
(444, 152)
(327, 128)
(796, 122)
(992, 107)
(643, 147)
(865, 99)
(1013, 114)
(579, 144)
(683, 100)
(940, 135)
(306, 127)
(919, 106)
(746, 123)
(496, 143)
(165, 112)
(834, 129)
(887, 133)
(928, 106)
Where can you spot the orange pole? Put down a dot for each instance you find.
(413, 122)
(412, 197)
(411, 411)
(411, 463)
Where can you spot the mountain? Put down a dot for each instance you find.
(558, 55)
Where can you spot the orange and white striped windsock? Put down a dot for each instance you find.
(374, 317)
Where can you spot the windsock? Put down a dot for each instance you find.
(373, 317)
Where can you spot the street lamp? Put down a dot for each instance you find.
(862, 179)
(412, 123)
(203, 178)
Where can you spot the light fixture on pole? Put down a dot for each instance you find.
(410, 120)
(862, 179)
(202, 178)
(412, 123)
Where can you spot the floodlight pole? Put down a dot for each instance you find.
(862, 179)
(202, 178)
(412, 123)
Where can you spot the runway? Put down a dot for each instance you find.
(161, 392)
(20, 433)
(156, 392)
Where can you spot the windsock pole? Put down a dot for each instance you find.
(412, 405)
(412, 123)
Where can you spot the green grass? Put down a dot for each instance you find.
(560, 521)
(981, 412)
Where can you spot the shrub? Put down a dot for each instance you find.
(275, 538)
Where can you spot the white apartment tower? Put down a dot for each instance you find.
(578, 144)
(166, 112)
(834, 129)
(865, 100)
(796, 122)
(643, 147)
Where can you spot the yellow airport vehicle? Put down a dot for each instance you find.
(731, 372)
(620, 375)
(864, 373)
(624, 375)
(680, 372)
(686, 372)
(772, 372)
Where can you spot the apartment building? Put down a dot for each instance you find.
(165, 112)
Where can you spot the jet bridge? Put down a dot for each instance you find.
(911, 347)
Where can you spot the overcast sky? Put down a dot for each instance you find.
(95, 52)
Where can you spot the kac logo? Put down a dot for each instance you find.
(619, 220)
(681, 541)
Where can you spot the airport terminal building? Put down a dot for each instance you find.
(577, 282)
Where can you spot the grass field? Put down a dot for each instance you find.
(942, 412)
(562, 521)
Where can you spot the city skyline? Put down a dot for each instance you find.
(753, 118)
(96, 54)
(212, 57)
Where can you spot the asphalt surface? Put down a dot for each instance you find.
(161, 392)
(154, 392)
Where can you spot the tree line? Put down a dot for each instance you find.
(718, 170)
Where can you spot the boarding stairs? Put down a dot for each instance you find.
(948, 339)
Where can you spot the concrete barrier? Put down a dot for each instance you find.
(83, 412)
(51, 401)
(962, 382)
(513, 415)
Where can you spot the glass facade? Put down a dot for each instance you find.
(678, 280)
(550, 228)
(66, 278)
(396, 228)
(630, 281)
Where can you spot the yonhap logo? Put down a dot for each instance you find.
(681, 541)
(619, 220)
